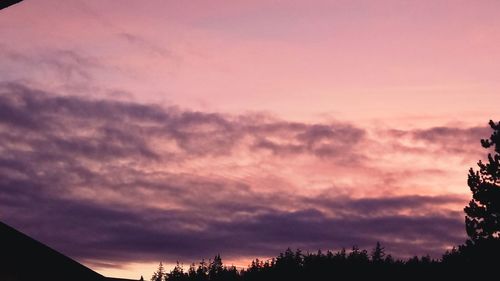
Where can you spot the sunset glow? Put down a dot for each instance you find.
(148, 131)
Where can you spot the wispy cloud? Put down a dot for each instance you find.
(67, 65)
(154, 182)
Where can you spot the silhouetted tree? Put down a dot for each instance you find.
(389, 259)
(192, 272)
(378, 253)
(215, 268)
(340, 255)
(483, 212)
(354, 265)
(202, 271)
(159, 274)
(357, 256)
(177, 273)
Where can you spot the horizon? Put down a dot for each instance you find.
(168, 131)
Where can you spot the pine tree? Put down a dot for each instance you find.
(159, 274)
(215, 267)
(192, 272)
(177, 273)
(483, 212)
(378, 253)
(202, 271)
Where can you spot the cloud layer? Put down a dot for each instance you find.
(113, 181)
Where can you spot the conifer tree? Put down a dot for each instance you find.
(482, 219)
(159, 274)
(215, 267)
(378, 253)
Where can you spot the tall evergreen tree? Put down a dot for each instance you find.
(159, 274)
(482, 219)
(378, 253)
(202, 271)
(177, 273)
(215, 268)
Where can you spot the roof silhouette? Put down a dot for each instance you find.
(7, 3)
(22, 258)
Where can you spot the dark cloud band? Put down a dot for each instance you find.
(76, 173)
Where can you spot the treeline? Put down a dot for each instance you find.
(350, 265)
(479, 257)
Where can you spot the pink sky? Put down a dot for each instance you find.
(414, 82)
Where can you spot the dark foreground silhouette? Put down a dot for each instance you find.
(25, 259)
(467, 261)
(7, 3)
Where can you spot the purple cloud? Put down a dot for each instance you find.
(88, 169)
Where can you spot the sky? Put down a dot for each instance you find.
(134, 132)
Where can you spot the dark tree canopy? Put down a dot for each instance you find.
(482, 219)
(378, 253)
(159, 274)
(354, 264)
